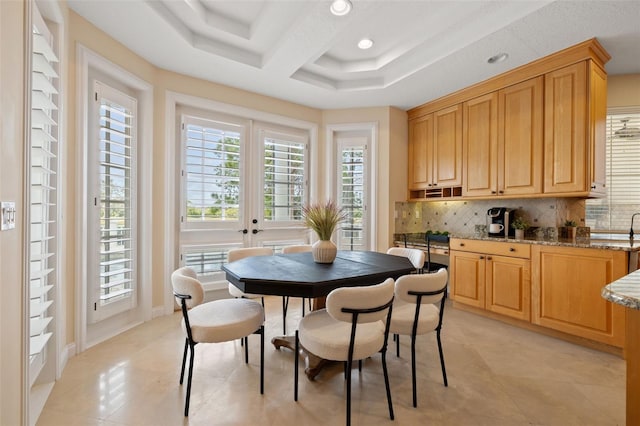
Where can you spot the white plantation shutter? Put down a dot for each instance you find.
(284, 176)
(211, 174)
(115, 203)
(613, 213)
(352, 190)
(43, 268)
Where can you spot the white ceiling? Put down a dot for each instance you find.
(298, 51)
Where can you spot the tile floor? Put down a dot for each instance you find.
(498, 375)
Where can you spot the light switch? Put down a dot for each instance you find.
(7, 215)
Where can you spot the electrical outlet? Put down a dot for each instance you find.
(7, 215)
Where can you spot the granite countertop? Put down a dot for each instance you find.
(417, 240)
(624, 291)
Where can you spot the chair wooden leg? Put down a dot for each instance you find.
(184, 359)
(296, 356)
(444, 370)
(190, 375)
(386, 383)
(413, 370)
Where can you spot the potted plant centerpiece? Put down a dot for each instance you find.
(520, 224)
(323, 219)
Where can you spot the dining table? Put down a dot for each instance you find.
(298, 275)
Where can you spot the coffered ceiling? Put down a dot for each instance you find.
(298, 51)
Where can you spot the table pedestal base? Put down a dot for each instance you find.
(313, 364)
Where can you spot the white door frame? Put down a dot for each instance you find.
(171, 147)
(86, 60)
(331, 182)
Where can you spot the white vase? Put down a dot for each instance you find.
(324, 251)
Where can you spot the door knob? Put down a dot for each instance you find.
(244, 231)
(255, 231)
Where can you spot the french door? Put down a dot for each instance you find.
(243, 184)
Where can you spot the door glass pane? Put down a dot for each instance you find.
(352, 192)
(284, 179)
(212, 174)
(116, 262)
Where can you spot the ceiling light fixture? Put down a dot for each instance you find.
(365, 43)
(500, 57)
(340, 7)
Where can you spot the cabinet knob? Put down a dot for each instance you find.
(481, 257)
(512, 249)
(493, 192)
(593, 186)
(461, 244)
(488, 257)
(501, 192)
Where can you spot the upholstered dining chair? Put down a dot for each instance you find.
(416, 256)
(301, 248)
(418, 308)
(353, 326)
(214, 322)
(241, 253)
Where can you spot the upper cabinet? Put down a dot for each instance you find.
(502, 141)
(535, 131)
(435, 154)
(574, 140)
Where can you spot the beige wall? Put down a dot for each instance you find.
(12, 80)
(623, 90)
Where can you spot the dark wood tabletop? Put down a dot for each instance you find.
(298, 275)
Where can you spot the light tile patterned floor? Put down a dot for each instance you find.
(498, 375)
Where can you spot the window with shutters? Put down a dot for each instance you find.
(114, 202)
(352, 190)
(613, 213)
(43, 196)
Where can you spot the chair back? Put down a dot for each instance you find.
(303, 248)
(185, 283)
(369, 300)
(432, 287)
(416, 256)
(241, 253)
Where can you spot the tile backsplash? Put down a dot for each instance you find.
(461, 217)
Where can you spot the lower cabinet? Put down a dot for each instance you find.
(483, 276)
(566, 287)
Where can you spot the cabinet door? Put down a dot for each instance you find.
(520, 138)
(467, 275)
(480, 146)
(447, 146)
(565, 138)
(566, 286)
(420, 149)
(508, 287)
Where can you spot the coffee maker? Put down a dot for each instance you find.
(499, 222)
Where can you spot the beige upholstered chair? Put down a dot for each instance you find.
(418, 309)
(414, 255)
(241, 253)
(213, 322)
(302, 248)
(354, 326)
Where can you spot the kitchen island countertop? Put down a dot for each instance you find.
(624, 291)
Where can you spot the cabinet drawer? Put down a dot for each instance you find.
(492, 247)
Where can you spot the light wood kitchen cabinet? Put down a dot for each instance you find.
(503, 141)
(435, 154)
(494, 276)
(566, 286)
(574, 140)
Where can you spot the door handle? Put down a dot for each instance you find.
(244, 231)
(255, 231)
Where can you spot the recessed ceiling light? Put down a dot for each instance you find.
(340, 7)
(500, 57)
(365, 43)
